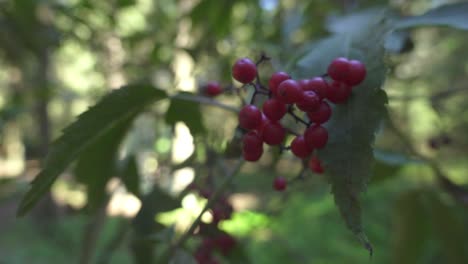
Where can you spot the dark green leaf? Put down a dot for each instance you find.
(97, 163)
(348, 156)
(411, 228)
(452, 15)
(101, 119)
(130, 175)
(188, 112)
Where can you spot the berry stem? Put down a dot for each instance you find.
(213, 199)
(297, 118)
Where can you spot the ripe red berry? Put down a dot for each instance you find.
(357, 73)
(322, 114)
(338, 92)
(264, 121)
(289, 92)
(273, 133)
(317, 85)
(310, 101)
(252, 154)
(280, 183)
(300, 148)
(316, 136)
(252, 142)
(244, 70)
(276, 79)
(212, 89)
(338, 69)
(250, 117)
(274, 109)
(225, 243)
(315, 165)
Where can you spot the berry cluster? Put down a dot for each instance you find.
(213, 240)
(285, 95)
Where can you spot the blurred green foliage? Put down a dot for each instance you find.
(57, 58)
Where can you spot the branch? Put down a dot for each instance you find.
(204, 100)
(213, 199)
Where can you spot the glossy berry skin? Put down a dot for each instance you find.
(322, 114)
(252, 154)
(338, 92)
(252, 142)
(274, 109)
(244, 70)
(280, 184)
(315, 165)
(273, 133)
(338, 69)
(213, 89)
(316, 136)
(300, 148)
(357, 73)
(263, 122)
(275, 80)
(289, 92)
(310, 101)
(250, 117)
(317, 85)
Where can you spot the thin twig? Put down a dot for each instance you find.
(205, 101)
(213, 199)
(297, 118)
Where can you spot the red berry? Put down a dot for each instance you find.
(338, 69)
(250, 117)
(315, 165)
(289, 92)
(357, 73)
(225, 243)
(280, 184)
(300, 148)
(252, 154)
(310, 101)
(276, 79)
(273, 133)
(338, 92)
(244, 70)
(274, 109)
(317, 85)
(264, 121)
(316, 136)
(322, 114)
(213, 89)
(251, 142)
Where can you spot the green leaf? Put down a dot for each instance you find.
(100, 120)
(130, 175)
(412, 229)
(451, 15)
(125, 3)
(348, 156)
(186, 111)
(97, 163)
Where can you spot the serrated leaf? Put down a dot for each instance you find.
(186, 111)
(98, 121)
(411, 228)
(348, 156)
(130, 175)
(452, 15)
(97, 164)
